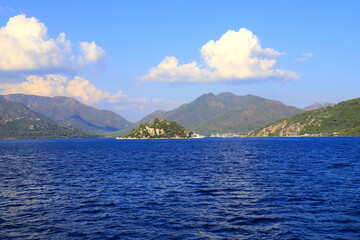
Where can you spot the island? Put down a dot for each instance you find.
(159, 129)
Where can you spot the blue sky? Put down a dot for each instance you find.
(303, 51)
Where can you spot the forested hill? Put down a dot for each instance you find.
(342, 119)
(18, 121)
(23, 128)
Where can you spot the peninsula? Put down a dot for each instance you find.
(343, 119)
(159, 129)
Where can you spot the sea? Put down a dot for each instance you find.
(210, 188)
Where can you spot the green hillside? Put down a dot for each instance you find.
(226, 113)
(245, 119)
(14, 110)
(34, 128)
(67, 110)
(18, 121)
(203, 108)
(342, 119)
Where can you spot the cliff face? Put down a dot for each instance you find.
(282, 129)
(160, 128)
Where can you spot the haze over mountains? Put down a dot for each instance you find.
(18, 121)
(206, 115)
(67, 110)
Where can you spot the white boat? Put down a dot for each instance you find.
(195, 135)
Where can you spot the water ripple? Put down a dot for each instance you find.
(274, 188)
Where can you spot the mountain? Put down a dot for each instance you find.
(319, 105)
(157, 114)
(22, 128)
(227, 113)
(160, 128)
(18, 121)
(67, 110)
(14, 110)
(342, 119)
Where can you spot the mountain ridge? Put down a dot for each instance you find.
(67, 110)
(209, 113)
(13, 110)
(319, 105)
(18, 121)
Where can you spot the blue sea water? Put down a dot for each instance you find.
(212, 188)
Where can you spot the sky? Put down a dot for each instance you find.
(135, 57)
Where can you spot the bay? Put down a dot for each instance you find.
(211, 188)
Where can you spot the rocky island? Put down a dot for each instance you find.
(159, 129)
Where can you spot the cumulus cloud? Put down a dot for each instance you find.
(25, 47)
(83, 90)
(57, 85)
(236, 56)
(305, 57)
(91, 52)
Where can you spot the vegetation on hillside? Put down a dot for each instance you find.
(67, 110)
(18, 121)
(245, 119)
(227, 113)
(160, 128)
(22, 128)
(13, 110)
(342, 119)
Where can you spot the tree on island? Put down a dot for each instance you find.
(160, 128)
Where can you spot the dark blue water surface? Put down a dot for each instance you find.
(212, 188)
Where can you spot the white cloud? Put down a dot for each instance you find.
(92, 53)
(305, 57)
(25, 47)
(57, 85)
(83, 90)
(236, 56)
(169, 70)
